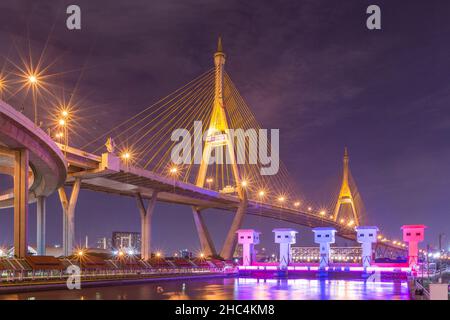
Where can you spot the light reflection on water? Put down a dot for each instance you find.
(318, 289)
(234, 289)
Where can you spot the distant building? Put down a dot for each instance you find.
(104, 243)
(55, 250)
(337, 254)
(261, 254)
(126, 240)
(186, 254)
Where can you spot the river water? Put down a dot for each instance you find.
(234, 289)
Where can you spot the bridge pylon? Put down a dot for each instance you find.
(146, 214)
(346, 196)
(68, 206)
(217, 137)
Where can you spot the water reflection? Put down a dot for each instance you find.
(318, 289)
(234, 288)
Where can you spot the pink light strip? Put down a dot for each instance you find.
(314, 268)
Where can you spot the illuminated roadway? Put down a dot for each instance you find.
(47, 163)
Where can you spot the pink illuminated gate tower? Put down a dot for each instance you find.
(413, 234)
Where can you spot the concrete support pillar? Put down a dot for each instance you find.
(366, 255)
(230, 241)
(206, 242)
(366, 236)
(21, 169)
(146, 223)
(248, 238)
(285, 237)
(413, 234)
(40, 230)
(324, 255)
(324, 237)
(68, 206)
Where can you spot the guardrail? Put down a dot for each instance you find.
(420, 289)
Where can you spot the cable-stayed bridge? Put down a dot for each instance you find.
(137, 161)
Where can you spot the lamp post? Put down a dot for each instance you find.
(173, 172)
(209, 181)
(261, 195)
(281, 200)
(63, 123)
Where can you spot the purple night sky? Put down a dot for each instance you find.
(310, 68)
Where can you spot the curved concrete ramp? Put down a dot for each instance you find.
(47, 162)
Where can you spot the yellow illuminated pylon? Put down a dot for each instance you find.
(217, 134)
(345, 194)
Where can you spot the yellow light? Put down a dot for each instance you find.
(380, 237)
(351, 223)
(297, 204)
(244, 183)
(59, 135)
(158, 254)
(281, 198)
(62, 122)
(32, 79)
(261, 193)
(173, 170)
(126, 155)
(322, 213)
(65, 113)
(309, 208)
(120, 253)
(202, 255)
(331, 216)
(80, 253)
(394, 242)
(209, 180)
(342, 220)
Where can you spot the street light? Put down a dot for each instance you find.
(126, 156)
(2, 86)
(209, 181)
(59, 136)
(297, 204)
(173, 170)
(32, 79)
(63, 123)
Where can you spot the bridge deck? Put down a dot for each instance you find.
(109, 175)
(47, 163)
